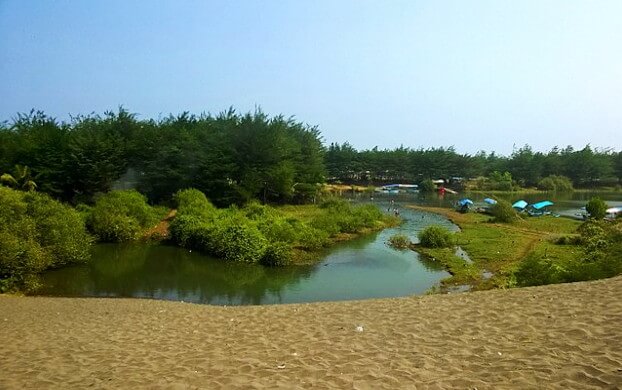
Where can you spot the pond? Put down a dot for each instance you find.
(359, 269)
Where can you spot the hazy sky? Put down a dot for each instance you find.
(473, 74)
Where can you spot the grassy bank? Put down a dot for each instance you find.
(498, 248)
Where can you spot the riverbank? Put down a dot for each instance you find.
(558, 336)
(494, 250)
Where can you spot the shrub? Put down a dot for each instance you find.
(427, 185)
(260, 233)
(233, 239)
(596, 208)
(602, 245)
(120, 216)
(502, 211)
(277, 254)
(60, 229)
(555, 183)
(367, 215)
(193, 201)
(340, 217)
(536, 271)
(435, 236)
(335, 203)
(499, 181)
(568, 240)
(399, 241)
(37, 233)
(184, 230)
(310, 238)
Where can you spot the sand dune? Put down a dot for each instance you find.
(563, 336)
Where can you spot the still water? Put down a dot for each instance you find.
(362, 268)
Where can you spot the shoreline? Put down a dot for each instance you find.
(556, 336)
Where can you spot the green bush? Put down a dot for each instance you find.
(120, 216)
(272, 224)
(555, 183)
(340, 217)
(335, 204)
(502, 211)
(184, 230)
(233, 239)
(536, 271)
(367, 215)
(61, 229)
(260, 233)
(601, 243)
(37, 233)
(193, 201)
(312, 239)
(435, 236)
(399, 241)
(427, 185)
(596, 208)
(277, 254)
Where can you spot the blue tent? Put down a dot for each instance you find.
(521, 204)
(490, 201)
(465, 201)
(541, 205)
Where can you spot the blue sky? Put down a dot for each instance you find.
(478, 75)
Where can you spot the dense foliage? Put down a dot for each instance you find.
(584, 167)
(37, 233)
(235, 158)
(232, 158)
(262, 234)
(120, 216)
(555, 183)
(435, 236)
(596, 208)
(601, 246)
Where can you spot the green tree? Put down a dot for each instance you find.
(596, 208)
(555, 183)
(21, 179)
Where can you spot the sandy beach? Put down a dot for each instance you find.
(562, 336)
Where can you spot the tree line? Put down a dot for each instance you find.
(585, 167)
(232, 158)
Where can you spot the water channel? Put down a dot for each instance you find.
(358, 269)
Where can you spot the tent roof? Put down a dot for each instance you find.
(542, 204)
(520, 204)
(464, 201)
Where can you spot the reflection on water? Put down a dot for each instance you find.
(363, 268)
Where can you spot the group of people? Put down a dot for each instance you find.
(393, 207)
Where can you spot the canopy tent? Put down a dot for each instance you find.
(614, 210)
(465, 201)
(520, 204)
(541, 205)
(490, 201)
